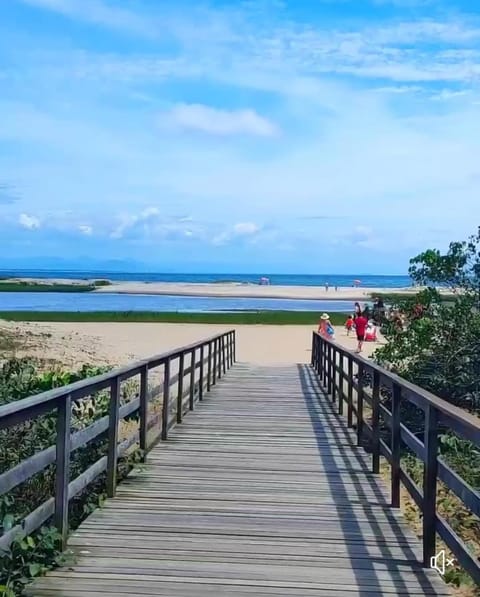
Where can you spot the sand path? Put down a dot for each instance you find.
(73, 344)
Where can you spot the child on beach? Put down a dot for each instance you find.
(349, 324)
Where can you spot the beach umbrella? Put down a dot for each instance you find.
(357, 281)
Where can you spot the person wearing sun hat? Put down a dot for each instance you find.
(325, 327)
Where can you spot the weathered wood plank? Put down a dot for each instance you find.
(260, 491)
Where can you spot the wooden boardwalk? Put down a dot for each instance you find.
(260, 491)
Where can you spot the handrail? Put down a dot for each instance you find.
(328, 360)
(216, 353)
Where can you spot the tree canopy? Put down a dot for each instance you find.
(439, 348)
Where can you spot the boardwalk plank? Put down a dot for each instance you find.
(260, 491)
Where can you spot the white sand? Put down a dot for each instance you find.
(232, 290)
(73, 344)
(248, 291)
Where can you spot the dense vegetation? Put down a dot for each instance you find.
(231, 318)
(21, 286)
(32, 287)
(33, 555)
(438, 348)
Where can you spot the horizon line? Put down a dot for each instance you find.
(192, 273)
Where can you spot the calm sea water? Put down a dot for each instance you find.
(275, 279)
(58, 301)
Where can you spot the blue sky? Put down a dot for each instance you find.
(319, 136)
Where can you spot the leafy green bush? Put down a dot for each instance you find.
(438, 348)
(30, 556)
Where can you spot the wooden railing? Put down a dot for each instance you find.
(199, 366)
(356, 384)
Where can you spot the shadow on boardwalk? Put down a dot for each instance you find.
(260, 491)
(358, 534)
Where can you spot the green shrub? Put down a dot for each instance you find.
(30, 556)
(439, 350)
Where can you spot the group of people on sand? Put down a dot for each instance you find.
(362, 322)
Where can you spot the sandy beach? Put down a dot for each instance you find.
(73, 344)
(248, 291)
(229, 289)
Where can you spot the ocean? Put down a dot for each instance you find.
(84, 302)
(367, 281)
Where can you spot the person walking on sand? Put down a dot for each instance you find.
(361, 323)
(326, 286)
(357, 311)
(325, 328)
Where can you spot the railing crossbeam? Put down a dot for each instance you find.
(374, 417)
(218, 353)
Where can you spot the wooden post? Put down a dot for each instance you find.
(319, 343)
(191, 400)
(202, 357)
(312, 356)
(360, 406)
(395, 446)
(430, 472)
(143, 431)
(209, 367)
(329, 367)
(224, 359)
(333, 373)
(62, 472)
(214, 342)
(166, 399)
(350, 392)
(340, 383)
(219, 358)
(181, 374)
(112, 455)
(325, 361)
(376, 423)
(234, 346)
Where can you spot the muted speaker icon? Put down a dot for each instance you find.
(440, 562)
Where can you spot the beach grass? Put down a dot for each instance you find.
(230, 318)
(392, 298)
(37, 287)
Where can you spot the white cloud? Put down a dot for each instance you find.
(85, 229)
(399, 89)
(98, 12)
(149, 225)
(350, 145)
(149, 212)
(245, 229)
(128, 221)
(448, 94)
(29, 222)
(215, 121)
(237, 231)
